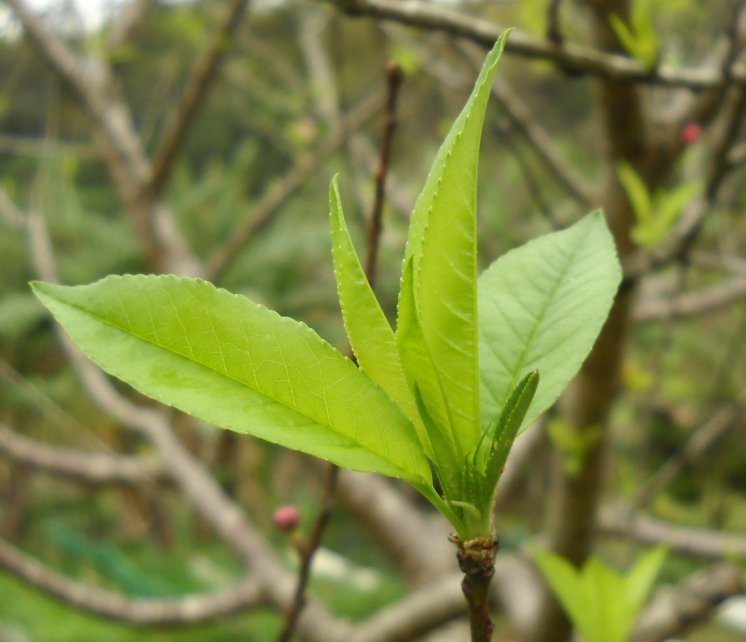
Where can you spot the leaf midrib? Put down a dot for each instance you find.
(226, 375)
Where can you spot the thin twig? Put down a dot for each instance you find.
(87, 467)
(394, 79)
(575, 58)
(326, 506)
(141, 612)
(691, 303)
(121, 29)
(554, 33)
(204, 74)
(690, 603)
(684, 540)
(279, 192)
(702, 439)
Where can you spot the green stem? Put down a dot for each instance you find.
(476, 558)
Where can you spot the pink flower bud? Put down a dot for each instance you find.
(690, 133)
(286, 518)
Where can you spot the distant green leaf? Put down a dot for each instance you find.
(637, 192)
(442, 248)
(602, 603)
(640, 579)
(370, 334)
(541, 307)
(238, 365)
(564, 580)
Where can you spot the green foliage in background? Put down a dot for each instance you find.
(601, 603)
(658, 212)
(639, 37)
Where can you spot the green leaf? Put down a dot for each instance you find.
(541, 307)
(442, 248)
(640, 579)
(610, 617)
(368, 330)
(637, 192)
(565, 581)
(602, 603)
(507, 428)
(238, 365)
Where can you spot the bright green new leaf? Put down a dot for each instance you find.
(508, 425)
(564, 580)
(238, 365)
(541, 307)
(637, 192)
(442, 248)
(368, 330)
(602, 603)
(640, 579)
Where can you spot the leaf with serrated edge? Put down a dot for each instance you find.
(541, 307)
(368, 330)
(442, 246)
(231, 362)
(507, 427)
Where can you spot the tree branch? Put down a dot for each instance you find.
(676, 611)
(90, 81)
(714, 545)
(573, 58)
(689, 304)
(203, 75)
(122, 28)
(89, 467)
(700, 440)
(279, 192)
(151, 612)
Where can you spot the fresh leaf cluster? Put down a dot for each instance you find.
(443, 395)
(658, 212)
(601, 603)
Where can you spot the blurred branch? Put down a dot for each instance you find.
(89, 467)
(575, 58)
(675, 611)
(9, 212)
(203, 75)
(699, 442)
(553, 32)
(394, 78)
(150, 612)
(277, 194)
(121, 29)
(430, 606)
(685, 540)
(90, 82)
(688, 304)
(542, 144)
(396, 524)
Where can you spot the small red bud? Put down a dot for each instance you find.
(286, 518)
(690, 133)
